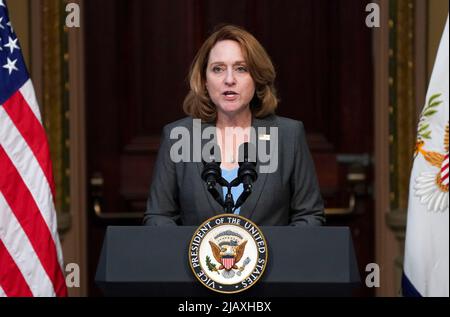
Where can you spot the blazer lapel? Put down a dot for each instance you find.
(248, 207)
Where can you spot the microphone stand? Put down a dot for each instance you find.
(228, 205)
(229, 201)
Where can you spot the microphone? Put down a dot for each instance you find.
(247, 165)
(247, 174)
(212, 173)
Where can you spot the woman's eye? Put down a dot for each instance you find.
(241, 69)
(217, 69)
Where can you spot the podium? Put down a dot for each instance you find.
(153, 261)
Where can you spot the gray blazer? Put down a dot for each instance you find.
(288, 196)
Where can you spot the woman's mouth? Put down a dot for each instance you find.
(230, 95)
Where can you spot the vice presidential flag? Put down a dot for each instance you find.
(426, 263)
(30, 251)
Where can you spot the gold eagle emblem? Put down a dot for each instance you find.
(230, 251)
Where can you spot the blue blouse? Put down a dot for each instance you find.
(230, 175)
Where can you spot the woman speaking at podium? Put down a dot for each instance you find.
(232, 92)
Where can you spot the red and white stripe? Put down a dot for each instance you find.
(30, 251)
(444, 171)
(228, 263)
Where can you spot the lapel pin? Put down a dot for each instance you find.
(264, 137)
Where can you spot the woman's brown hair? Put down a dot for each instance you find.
(198, 104)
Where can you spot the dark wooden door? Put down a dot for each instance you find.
(138, 54)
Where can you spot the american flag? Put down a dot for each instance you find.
(30, 251)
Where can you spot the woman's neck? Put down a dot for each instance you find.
(233, 130)
(242, 120)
